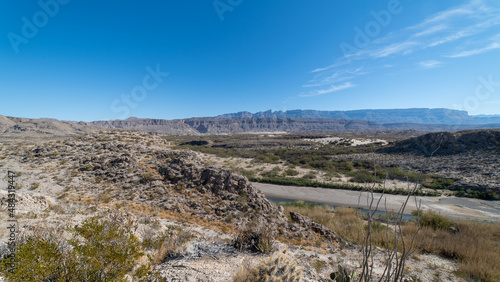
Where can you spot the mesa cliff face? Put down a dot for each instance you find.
(195, 126)
(425, 120)
(239, 125)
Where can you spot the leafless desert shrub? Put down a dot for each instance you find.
(401, 249)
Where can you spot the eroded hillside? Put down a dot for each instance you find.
(193, 221)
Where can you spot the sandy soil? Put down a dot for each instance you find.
(462, 208)
(352, 141)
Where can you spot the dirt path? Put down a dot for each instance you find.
(463, 208)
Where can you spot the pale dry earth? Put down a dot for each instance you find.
(210, 256)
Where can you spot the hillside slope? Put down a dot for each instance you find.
(448, 143)
(25, 127)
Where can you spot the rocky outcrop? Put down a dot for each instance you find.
(308, 223)
(181, 168)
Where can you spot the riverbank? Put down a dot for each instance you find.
(453, 207)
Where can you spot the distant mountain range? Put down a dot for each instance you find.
(211, 125)
(415, 115)
(426, 120)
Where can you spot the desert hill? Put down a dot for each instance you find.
(25, 127)
(448, 143)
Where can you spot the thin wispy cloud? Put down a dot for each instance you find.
(445, 35)
(400, 47)
(467, 53)
(431, 30)
(452, 37)
(329, 78)
(331, 89)
(430, 64)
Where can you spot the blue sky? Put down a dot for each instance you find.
(99, 60)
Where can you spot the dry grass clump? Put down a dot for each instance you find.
(172, 243)
(474, 245)
(255, 236)
(279, 267)
(319, 213)
(141, 208)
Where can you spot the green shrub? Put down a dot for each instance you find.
(37, 260)
(478, 194)
(268, 158)
(433, 220)
(363, 177)
(346, 165)
(310, 175)
(102, 251)
(107, 251)
(290, 172)
(272, 173)
(437, 182)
